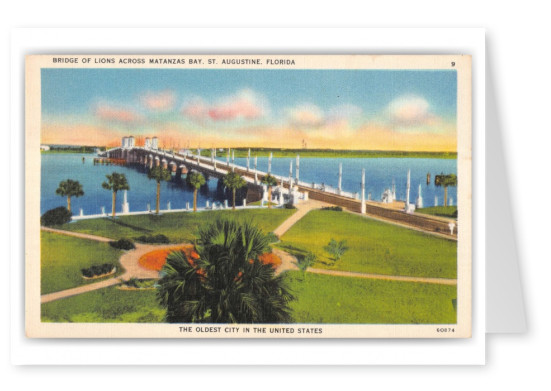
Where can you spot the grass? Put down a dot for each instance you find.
(444, 211)
(374, 247)
(319, 299)
(108, 305)
(178, 227)
(333, 153)
(331, 299)
(62, 257)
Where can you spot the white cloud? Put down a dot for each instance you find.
(409, 110)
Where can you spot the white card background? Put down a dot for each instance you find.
(402, 41)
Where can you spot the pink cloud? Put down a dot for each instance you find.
(243, 105)
(196, 109)
(159, 101)
(108, 112)
(306, 115)
(409, 110)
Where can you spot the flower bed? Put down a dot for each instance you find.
(156, 259)
(270, 259)
(98, 271)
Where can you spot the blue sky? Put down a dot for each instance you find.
(249, 106)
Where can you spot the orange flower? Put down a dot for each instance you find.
(156, 259)
(270, 259)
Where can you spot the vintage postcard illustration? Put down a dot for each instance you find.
(248, 196)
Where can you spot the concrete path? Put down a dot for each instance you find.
(77, 234)
(302, 209)
(79, 290)
(130, 261)
(132, 269)
(426, 280)
(289, 262)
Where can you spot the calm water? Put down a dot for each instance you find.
(380, 173)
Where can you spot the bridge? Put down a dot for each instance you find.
(290, 188)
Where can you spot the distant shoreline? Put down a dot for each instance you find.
(322, 153)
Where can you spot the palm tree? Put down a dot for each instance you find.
(196, 180)
(234, 181)
(269, 181)
(159, 173)
(445, 181)
(227, 283)
(69, 188)
(336, 249)
(115, 182)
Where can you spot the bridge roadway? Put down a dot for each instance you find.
(428, 223)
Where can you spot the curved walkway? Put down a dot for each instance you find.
(130, 262)
(289, 262)
(77, 234)
(302, 209)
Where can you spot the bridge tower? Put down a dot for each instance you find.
(270, 163)
(147, 143)
(155, 143)
(248, 159)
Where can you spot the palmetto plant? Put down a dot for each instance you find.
(336, 249)
(69, 188)
(159, 173)
(227, 283)
(445, 181)
(234, 181)
(196, 180)
(306, 261)
(115, 182)
(269, 181)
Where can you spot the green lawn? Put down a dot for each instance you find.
(108, 305)
(444, 211)
(375, 247)
(178, 227)
(331, 299)
(62, 257)
(319, 299)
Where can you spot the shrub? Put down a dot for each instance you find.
(272, 237)
(289, 206)
(333, 208)
(123, 244)
(160, 238)
(97, 270)
(306, 261)
(56, 216)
